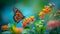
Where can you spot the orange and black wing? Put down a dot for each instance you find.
(18, 16)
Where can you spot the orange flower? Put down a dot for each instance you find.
(32, 18)
(24, 21)
(4, 27)
(41, 13)
(24, 24)
(47, 10)
(41, 16)
(18, 30)
(28, 20)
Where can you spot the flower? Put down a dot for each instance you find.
(4, 27)
(18, 30)
(32, 18)
(53, 24)
(24, 24)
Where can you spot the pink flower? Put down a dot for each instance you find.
(53, 24)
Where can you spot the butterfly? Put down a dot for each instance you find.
(18, 16)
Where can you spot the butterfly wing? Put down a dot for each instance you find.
(18, 16)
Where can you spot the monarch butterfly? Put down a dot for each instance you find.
(18, 16)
